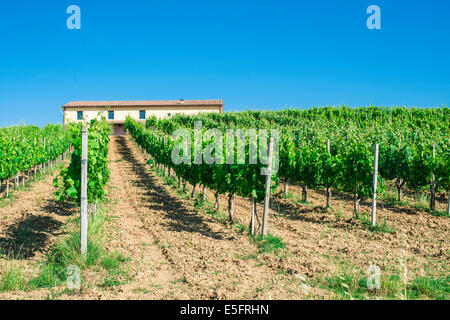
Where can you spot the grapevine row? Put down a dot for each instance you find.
(69, 181)
(332, 147)
(24, 148)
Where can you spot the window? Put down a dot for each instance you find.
(79, 115)
(142, 114)
(110, 115)
(169, 115)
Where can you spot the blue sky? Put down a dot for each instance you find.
(253, 54)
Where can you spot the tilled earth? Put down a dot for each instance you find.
(176, 251)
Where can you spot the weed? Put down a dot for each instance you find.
(422, 201)
(66, 252)
(13, 279)
(438, 213)
(269, 243)
(363, 218)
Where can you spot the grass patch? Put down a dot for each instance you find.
(422, 201)
(434, 288)
(113, 261)
(112, 281)
(250, 256)
(66, 252)
(241, 228)
(287, 196)
(439, 213)
(338, 213)
(13, 279)
(268, 244)
(363, 219)
(352, 283)
(390, 195)
(4, 202)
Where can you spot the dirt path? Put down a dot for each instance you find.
(175, 251)
(327, 243)
(189, 255)
(33, 221)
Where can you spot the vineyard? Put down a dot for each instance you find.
(154, 234)
(26, 149)
(319, 148)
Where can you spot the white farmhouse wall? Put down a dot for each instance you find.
(121, 113)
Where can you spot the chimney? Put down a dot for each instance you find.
(181, 101)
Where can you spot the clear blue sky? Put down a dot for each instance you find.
(253, 54)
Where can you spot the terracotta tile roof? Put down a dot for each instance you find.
(143, 103)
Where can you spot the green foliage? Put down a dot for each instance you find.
(98, 174)
(269, 243)
(241, 179)
(24, 147)
(12, 279)
(364, 219)
(67, 252)
(352, 284)
(434, 288)
(406, 137)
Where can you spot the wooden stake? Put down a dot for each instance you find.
(193, 191)
(375, 183)
(252, 221)
(356, 201)
(268, 183)
(204, 194)
(286, 186)
(304, 193)
(84, 199)
(231, 206)
(216, 204)
(328, 188)
(448, 203)
(433, 186)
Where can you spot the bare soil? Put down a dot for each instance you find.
(177, 251)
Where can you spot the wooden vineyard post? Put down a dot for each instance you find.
(216, 203)
(375, 183)
(231, 206)
(286, 187)
(34, 168)
(328, 188)
(204, 193)
(164, 165)
(44, 150)
(448, 203)
(7, 188)
(84, 200)
(268, 182)
(433, 185)
(252, 221)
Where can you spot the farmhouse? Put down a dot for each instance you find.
(116, 112)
